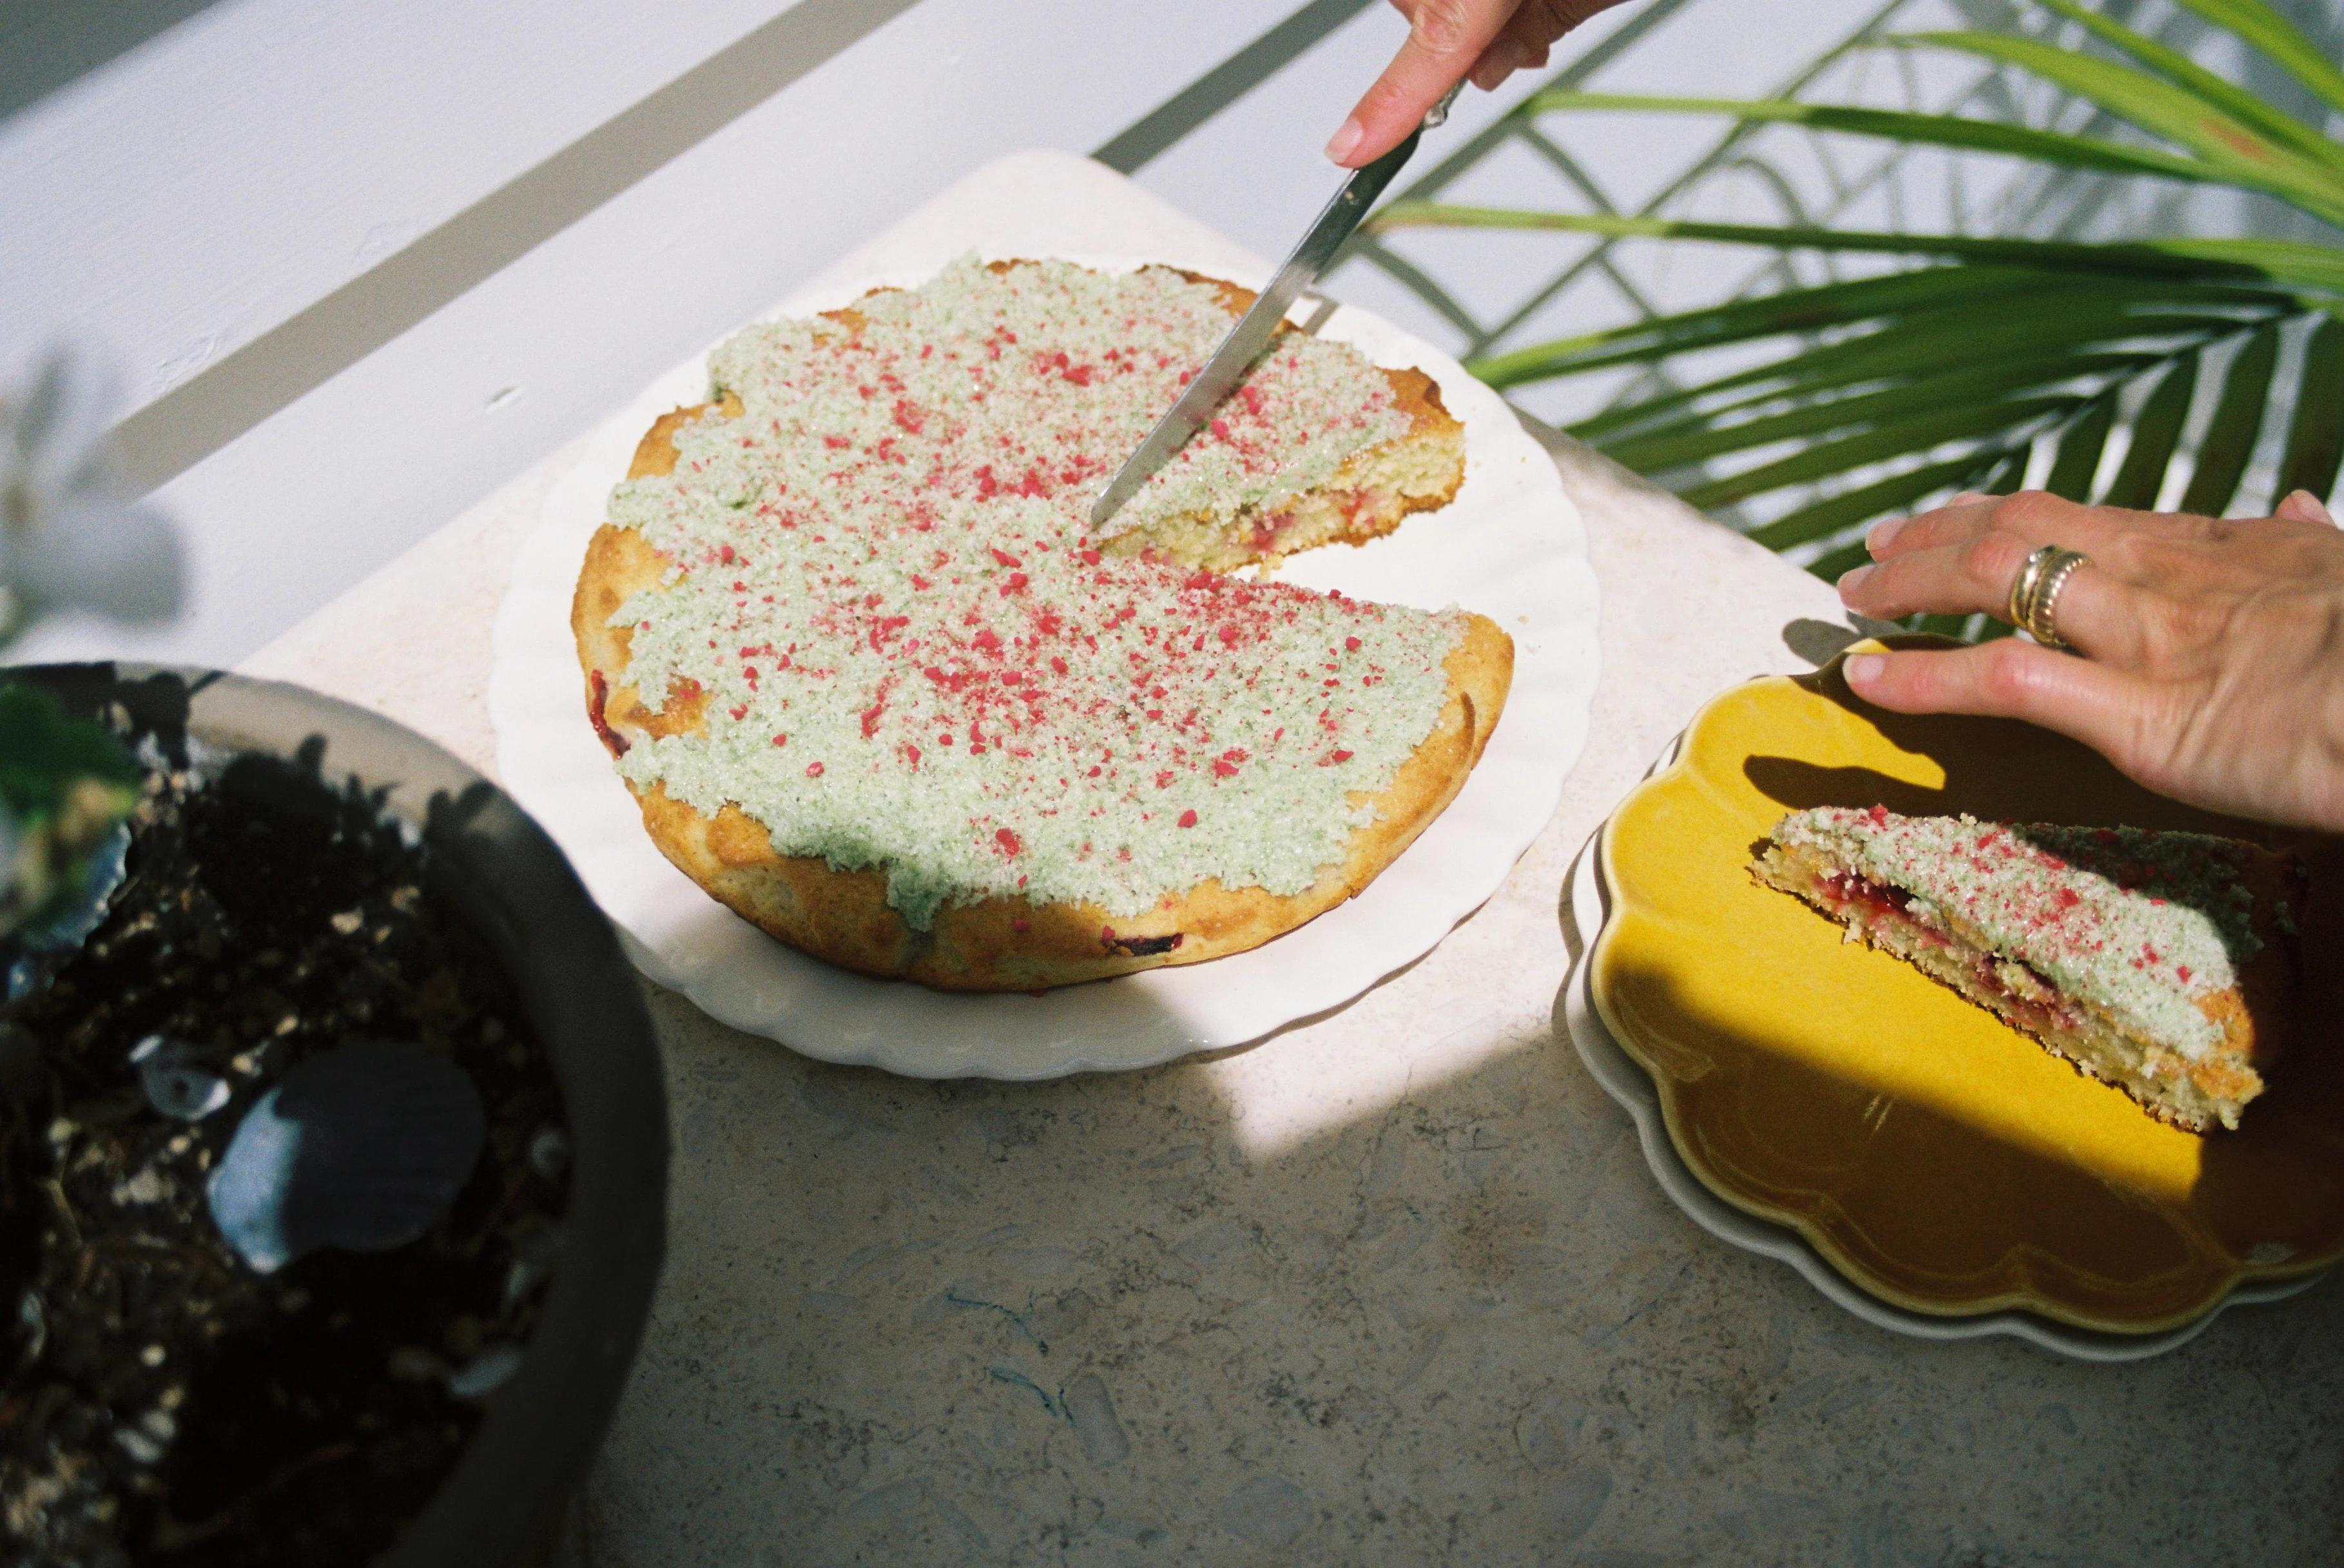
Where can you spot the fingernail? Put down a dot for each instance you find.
(1862, 669)
(1882, 532)
(2308, 507)
(1850, 581)
(1968, 498)
(1346, 141)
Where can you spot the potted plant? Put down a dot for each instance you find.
(332, 1137)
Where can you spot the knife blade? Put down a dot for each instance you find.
(1211, 386)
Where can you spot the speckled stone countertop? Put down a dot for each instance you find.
(1392, 1286)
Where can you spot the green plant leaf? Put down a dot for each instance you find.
(2291, 262)
(1794, 382)
(2054, 311)
(2229, 441)
(1826, 459)
(2080, 445)
(2007, 475)
(1912, 129)
(2196, 79)
(1701, 439)
(1768, 316)
(2278, 39)
(2155, 432)
(1787, 383)
(2244, 155)
(2315, 444)
(1895, 347)
(45, 751)
(1822, 518)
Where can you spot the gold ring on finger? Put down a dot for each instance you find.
(2035, 592)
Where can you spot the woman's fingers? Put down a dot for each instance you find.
(2302, 506)
(1445, 37)
(2036, 519)
(2095, 611)
(2108, 711)
(1450, 41)
(1523, 43)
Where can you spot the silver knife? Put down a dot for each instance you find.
(1212, 385)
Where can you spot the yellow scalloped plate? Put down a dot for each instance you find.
(1937, 1157)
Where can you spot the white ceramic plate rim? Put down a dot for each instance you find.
(1529, 571)
(1625, 1080)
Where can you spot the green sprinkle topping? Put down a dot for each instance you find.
(912, 655)
(2139, 924)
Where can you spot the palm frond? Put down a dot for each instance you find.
(2287, 262)
(1990, 357)
(1905, 127)
(2281, 40)
(2315, 445)
(2195, 79)
(2242, 153)
(2155, 436)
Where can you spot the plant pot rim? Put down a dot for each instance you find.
(542, 1426)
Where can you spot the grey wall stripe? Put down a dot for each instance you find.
(219, 403)
(1155, 131)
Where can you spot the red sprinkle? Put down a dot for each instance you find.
(1189, 819)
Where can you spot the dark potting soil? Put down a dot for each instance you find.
(163, 1401)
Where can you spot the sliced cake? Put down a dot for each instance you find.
(2162, 963)
(878, 687)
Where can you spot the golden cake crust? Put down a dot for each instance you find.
(1012, 943)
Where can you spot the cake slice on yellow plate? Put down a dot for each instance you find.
(2161, 963)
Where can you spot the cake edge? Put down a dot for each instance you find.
(843, 916)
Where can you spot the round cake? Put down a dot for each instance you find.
(878, 688)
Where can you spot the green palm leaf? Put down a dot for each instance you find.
(2229, 441)
(2196, 80)
(1742, 320)
(2279, 39)
(2155, 435)
(1796, 386)
(1893, 440)
(1912, 130)
(2080, 445)
(1699, 440)
(2287, 262)
(1822, 518)
(2243, 153)
(2316, 444)
(1881, 394)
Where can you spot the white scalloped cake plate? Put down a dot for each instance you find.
(1511, 546)
(1627, 1082)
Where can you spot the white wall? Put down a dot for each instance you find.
(186, 197)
